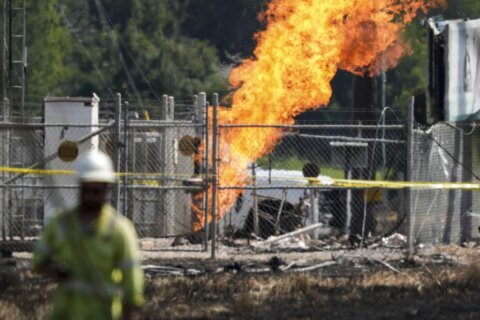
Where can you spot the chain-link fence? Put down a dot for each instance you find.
(156, 154)
(356, 182)
(447, 153)
(328, 181)
(295, 185)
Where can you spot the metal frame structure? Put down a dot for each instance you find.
(14, 55)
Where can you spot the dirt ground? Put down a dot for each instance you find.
(379, 283)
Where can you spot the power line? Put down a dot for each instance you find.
(72, 31)
(131, 56)
(103, 20)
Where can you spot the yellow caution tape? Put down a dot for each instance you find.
(51, 172)
(326, 182)
(36, 171)
(366, 184)
(371, 184)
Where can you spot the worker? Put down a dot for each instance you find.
(92, 251)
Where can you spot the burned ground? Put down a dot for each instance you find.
(441, 284)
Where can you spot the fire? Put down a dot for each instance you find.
(198, 219)
(303, 46)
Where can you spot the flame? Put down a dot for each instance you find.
(303, 46)
(198, 220)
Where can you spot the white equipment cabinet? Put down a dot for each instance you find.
(68, 111)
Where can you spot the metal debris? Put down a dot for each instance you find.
(396, 240)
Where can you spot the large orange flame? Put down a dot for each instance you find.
(303, 46)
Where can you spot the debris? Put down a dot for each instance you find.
(234, 267)
(396, 240)
(9, 277)
(469, 245)
(292, 264)
(295, 233)
(170, 271)
(386, 264)
(441, 258)
(196, 237)
(411, 312)
(276, 263)
(147, 244)
(315, 267)
(412, 262)
(192, 272)
(180, 241)
(354, 240)
(8, 262)
(287, 267)
(253, 236)
(253, 269)
(291, 243)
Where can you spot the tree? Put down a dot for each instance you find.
(144, 48)
(229, 26)
(411, 74)
(462, 9)
(137, 48)
(49, 46)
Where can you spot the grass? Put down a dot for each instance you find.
(429, 292)
(437, 293)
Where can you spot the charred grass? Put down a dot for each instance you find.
(423, 292)
(435, 293)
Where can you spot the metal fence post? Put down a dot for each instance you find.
(214, 173)
(170, 165)
(256, 222)
(116, 149)
(125, 161)
(5, 162)
(197, 114)
(160, 217)
(203, 111)
(408, 177)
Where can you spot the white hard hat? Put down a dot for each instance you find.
(95, 166)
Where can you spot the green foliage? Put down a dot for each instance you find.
(49, 46)
(411, 74)
(462, 9)
(130, 46)
(144, 48)
(228, 25)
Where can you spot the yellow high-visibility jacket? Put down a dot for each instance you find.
(102, 261)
